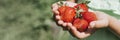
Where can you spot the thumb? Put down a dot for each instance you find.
(74, 32)
(99, 24)
(92, 24)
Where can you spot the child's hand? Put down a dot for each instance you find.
(68, 26)
(102, 20)
(55, 7)
(100, 23)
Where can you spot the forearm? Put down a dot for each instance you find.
(114, 24)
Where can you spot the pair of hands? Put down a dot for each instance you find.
(102, 21)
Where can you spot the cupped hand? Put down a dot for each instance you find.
(102, 21)
(57, 17)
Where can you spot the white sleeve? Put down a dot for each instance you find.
(106, 4)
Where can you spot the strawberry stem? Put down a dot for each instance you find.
(78, 10)
(62, 4)
(77, 15)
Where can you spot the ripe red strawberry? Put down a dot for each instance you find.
(80, 24)
(67, 13)
(62, 9)
(89, 16)
(82, 6)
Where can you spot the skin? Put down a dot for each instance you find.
(103, 20)
(114, 25)
(71, 0)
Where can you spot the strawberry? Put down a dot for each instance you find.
(62, 9)
(82, 6)
(80, 24)
(67, 13)
(89, 16)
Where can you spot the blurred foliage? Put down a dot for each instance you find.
(29, 20)
(26, 20)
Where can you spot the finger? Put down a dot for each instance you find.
(92, 24)
(54, 8)
(57, 17)
(99, 23)
(102, 19)
(60, 22)
(64, 24)
(78, 34)
(66, 27)
(56, 12)
(69, 25)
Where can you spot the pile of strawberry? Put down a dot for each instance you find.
(78, 15)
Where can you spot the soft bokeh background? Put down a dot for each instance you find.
(32, 20)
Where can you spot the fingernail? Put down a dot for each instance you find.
(60, 22)
(92, 24)
(69, 24)
(58, 17)
(55, 6)
(64, 24)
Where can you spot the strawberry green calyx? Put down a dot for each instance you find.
(85, 1)
(61, 3)
(78, 11)
(78, 15)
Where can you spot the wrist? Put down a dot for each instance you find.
(112, 21)
(114, 25)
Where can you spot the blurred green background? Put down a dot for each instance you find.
(32, 20)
